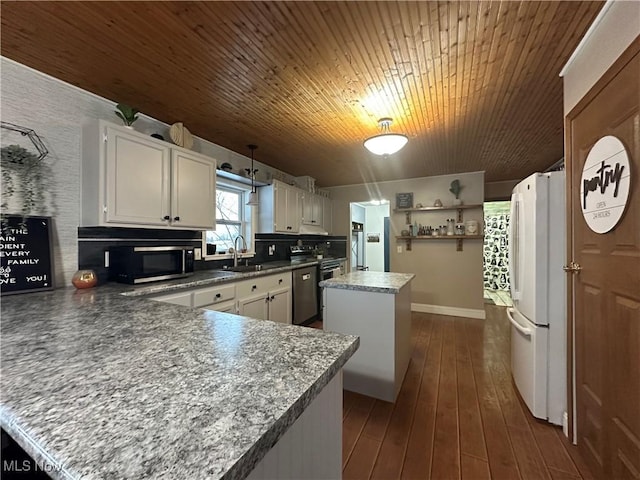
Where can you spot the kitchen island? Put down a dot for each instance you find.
(376, 306)
(96, 384)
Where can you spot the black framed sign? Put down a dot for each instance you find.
(26, 260)
(404, 200)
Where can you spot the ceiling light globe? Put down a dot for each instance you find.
(386, 143)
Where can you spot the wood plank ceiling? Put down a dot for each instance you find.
(474, 85)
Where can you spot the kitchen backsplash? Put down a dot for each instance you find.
(332, 246)
(93, 242)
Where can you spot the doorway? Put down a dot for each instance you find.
(369, 236)
(495, 253)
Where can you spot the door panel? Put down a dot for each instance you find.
(606, 296)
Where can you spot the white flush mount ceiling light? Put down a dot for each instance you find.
(253, 196)
(386, 143)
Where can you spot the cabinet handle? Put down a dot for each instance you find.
(272, 298)
(166, 217)
(253, 288)
(266, 299)
(218, 295)
(280, 281)
(176, 219)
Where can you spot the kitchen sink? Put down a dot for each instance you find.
(243, 268)
(221, 273)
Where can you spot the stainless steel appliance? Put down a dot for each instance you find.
(305, 294)
(328, 268)
(128, 264)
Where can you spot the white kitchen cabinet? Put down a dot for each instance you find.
(226, 307)
(280, 305)
(312, 209)
(280, 208)
(219, 298)
(266, 298)
(183, 298)
(130, 179)
(255, 306)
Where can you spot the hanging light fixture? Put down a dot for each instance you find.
(253, 196)
(386, 143)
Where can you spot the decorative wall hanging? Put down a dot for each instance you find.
(24, 174)
(605, 184)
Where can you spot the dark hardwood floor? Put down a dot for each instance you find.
(458, 415)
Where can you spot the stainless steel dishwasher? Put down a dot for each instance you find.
(305, 294)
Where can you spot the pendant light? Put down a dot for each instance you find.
(253, 196)
(386, 143)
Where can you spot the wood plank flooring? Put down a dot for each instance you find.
(458, 415)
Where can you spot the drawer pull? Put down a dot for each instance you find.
(218, 295)
(280, 281)
(253, 287)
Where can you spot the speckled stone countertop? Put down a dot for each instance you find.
(99, 385)
(204, 278)
(380, 282)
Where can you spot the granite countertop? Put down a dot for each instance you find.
(205, 278)
(380, 282)
(99, 385)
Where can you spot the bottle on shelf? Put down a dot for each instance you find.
(451, 224)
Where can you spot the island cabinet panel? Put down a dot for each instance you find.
(312, 447)
(382, 320)
(132, 180)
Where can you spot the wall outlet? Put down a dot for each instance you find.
(106, 258)
(399, 248)
(197, 253)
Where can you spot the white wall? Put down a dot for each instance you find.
(56, 111)
(616, 29)
(444, 276)
(374, 224)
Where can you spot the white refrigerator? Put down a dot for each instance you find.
(537, 249)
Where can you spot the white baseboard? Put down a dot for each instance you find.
(444, 310)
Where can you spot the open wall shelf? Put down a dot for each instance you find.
(459, 238)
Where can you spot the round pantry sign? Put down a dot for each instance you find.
(604, 188)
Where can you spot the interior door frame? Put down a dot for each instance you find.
(626, 56)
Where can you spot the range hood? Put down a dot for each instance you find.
(312, 230)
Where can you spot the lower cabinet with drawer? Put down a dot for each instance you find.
(182, 298)
(266, 298)
(220, 298)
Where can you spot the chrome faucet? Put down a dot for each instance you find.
(235, 249)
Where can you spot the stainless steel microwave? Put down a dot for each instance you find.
(149, 264)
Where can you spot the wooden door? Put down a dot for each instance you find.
(606, 292)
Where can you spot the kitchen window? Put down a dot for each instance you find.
(233, 218)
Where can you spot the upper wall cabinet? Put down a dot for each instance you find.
(312, 209)
(279, 208)
(130, 179)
